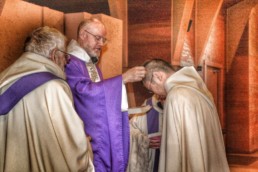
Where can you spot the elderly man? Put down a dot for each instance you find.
(39, 128)
(100, 102)
(191, 136)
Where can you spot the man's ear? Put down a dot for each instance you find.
(53, 55)
(82, 34)
(158, 75)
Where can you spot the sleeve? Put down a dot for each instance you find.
(68, 128)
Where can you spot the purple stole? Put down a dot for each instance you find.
(153, 127)
(99, 106)
(21, 87)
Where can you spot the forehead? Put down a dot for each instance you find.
(96, 26)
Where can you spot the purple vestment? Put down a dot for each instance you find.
(99, 106)
(22, 87)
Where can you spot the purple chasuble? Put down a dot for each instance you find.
(152, 119)
(21, 87)
(99, 106)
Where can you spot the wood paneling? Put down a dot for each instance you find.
(2, 2)
(236, 26)
(206, 15)
(17, 20)
(53, 18)
(182, 12)
(119, 9)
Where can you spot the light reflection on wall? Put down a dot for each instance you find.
(186, 55)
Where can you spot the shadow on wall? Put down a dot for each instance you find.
(18, 19)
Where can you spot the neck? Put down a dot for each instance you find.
(94, 60)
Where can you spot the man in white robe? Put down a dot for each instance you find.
(42, 132)
(192, 138)
(144, 149)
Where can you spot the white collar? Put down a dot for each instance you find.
(75, 49)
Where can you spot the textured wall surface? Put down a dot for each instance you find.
(241, 91)
(253, 84)
(17, 20)
(2, 2)
(237, 99)
(149, 36)
(111, 59)
(53, 18)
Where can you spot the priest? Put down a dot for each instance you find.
(192, 138)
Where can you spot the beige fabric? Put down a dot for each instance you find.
(192, 138)
(42, 132)
(141, 158)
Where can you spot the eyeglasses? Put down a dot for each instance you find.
(67, 55)
(98, 38)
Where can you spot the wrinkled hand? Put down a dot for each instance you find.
(155, 142)
(134, 74)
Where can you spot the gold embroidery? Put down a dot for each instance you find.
(94, 76)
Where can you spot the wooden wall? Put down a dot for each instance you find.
(18, 19)
(220, 43)
(242, 80)
(149, 36)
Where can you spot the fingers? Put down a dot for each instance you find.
(134, 74)
(140, 72)
(154, 145)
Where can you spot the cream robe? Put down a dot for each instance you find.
(192, 139)
(141, 157)
(42, 132)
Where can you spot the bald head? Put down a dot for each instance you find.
(89, 24)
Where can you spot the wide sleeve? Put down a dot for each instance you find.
(68, 127)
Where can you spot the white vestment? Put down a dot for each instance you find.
(141, 158)
(42, 132)
(192, 138)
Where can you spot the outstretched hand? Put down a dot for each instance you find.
(134, 74)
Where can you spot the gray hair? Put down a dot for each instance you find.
(45, 39)
(156, 64)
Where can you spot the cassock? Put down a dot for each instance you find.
(99, 104)
(42, 132)
(142, 158)
(192, 138)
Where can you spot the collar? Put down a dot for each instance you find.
(27, 64)
(75, 49)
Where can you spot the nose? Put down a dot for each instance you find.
(101, 42)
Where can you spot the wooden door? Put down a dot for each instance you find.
(213, 77)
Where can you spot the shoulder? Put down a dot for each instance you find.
(56, 85)
(74, 64)
(181, 93)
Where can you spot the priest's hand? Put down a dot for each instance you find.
(134, 74)
(155, 142)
